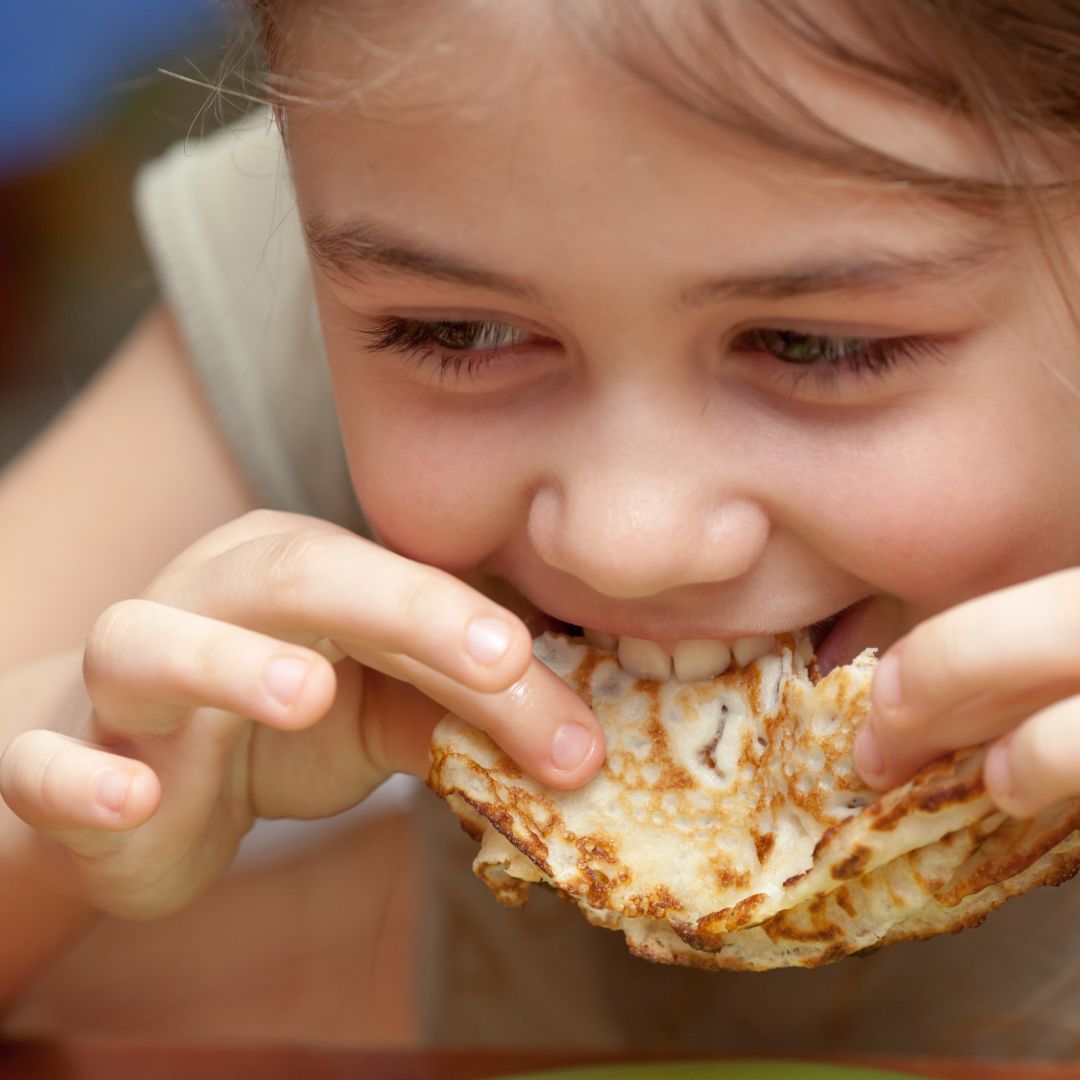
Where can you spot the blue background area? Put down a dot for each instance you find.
(61, 62)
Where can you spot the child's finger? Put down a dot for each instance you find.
(539, 721)
(962, 677)
(977, 721)
(315, 583)
(59, 784)
(1023, 636)
(147, 665)
(1038, 763)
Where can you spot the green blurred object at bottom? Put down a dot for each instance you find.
(715, 1070)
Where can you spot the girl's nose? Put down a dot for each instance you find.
(628, 533)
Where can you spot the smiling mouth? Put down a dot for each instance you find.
(689, 660)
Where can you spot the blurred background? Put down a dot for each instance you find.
(328, 912)
(82, 105)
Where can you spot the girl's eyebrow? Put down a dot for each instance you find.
(353, 249)
(864, 271)
(356, 249)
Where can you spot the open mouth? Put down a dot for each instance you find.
(693, 660)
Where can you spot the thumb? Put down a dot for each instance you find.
(398, 723)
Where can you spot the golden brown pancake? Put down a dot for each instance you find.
(727, 827)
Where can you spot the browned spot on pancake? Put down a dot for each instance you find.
(508, 768)
(1012, 848)
(673, 777)
(583, 673)
(530, 846)
(598, 848)
(829, 956)
(964, 791)
(655, 904)
(740, 914)
(707, 753)
(599, 882)
(763, 844)
(752, 683)
(784, 927)
(844, 901)
(726, 878)
(854, 865)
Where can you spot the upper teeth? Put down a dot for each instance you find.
(644, 659)
(747, 649)
(694, 660)
(698, 660)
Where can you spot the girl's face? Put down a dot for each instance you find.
(660, 380)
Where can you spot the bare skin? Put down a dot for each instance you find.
(576, 383)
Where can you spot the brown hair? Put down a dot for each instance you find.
(1008, 68)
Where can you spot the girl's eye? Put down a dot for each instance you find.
(456, 345)
(465, 346)
(829, 358)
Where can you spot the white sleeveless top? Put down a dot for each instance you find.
(220, 223)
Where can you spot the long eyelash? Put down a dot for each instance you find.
(416, 339)
(871, 357)
(857, 357)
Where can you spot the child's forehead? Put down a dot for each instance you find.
(473, 68)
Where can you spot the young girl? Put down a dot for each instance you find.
(677, 322)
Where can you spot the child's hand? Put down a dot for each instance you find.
(211, 706)
(1003, 668)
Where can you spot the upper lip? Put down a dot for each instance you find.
(663, 631)
(694, 614)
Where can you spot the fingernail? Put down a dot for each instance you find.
(487, 640)
(887, 692)
(570, 746)
(867, 754)
(284, 677)
(999, 780)
(111, 789)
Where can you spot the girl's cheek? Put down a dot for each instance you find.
(443, 492)
(960, 507)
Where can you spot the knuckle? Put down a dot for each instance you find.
(24, 768)
(421, 596)
(198, 662)
(12, 763)
(293, 561)
(49, 780)
(936, 656)
(110, 636)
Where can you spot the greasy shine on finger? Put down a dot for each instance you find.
(313, 584)
(147, 665)
(539, 721)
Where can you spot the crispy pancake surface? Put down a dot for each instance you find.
(727, 827)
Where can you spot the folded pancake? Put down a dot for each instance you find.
(727, 827)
